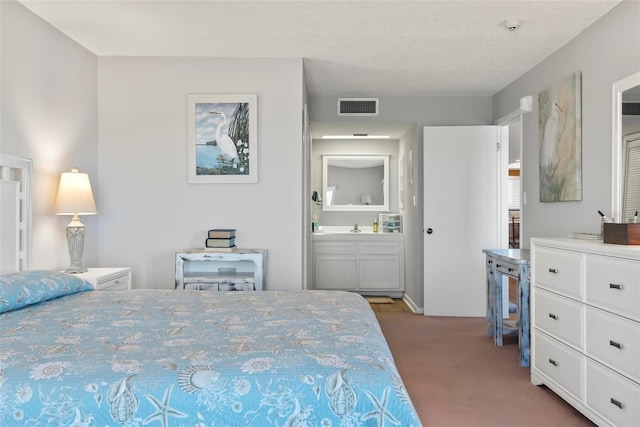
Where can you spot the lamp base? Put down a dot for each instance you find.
(75, 241)
(75, 270)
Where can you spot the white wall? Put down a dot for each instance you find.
(413, 236)
(149, 211)
(604, 53)
(48, 114)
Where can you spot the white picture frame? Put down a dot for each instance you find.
(222, 139)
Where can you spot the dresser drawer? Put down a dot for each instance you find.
(614, 284)
(507, 268)
(559, 317)
(560, 271)
(113, 282)
(380, 248)
(614, 341)
(116, 285)
(612, 396)
(560, 363)
(335, 248)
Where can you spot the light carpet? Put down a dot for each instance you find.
(457, 377)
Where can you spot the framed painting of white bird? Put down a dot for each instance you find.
(222, 139)
(560, 130)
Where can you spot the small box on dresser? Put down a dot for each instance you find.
(585, 326)
(108, 279)
(621, 234)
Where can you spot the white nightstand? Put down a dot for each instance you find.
(108, 279)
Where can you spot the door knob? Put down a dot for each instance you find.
(429, 230)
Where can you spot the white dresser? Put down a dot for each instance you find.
(585, 323)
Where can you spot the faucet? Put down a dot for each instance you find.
(355, 229)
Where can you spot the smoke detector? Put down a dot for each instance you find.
(512, 24)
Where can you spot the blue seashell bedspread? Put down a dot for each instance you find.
(197, 358)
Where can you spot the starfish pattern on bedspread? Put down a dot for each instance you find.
(163, 410)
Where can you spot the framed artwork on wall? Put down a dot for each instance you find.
(560, 130)
(222, 139)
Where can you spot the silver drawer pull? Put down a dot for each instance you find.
(553, 362)
(553, 316)
(553, 270)
(617, 403)
(615, 286)
(615, 344)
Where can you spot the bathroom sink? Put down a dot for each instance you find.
(344, 229)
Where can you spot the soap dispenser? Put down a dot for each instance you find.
(375, 225)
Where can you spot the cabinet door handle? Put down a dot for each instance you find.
(615, 286)
(498, 266)
(553, 270)
(617, 403)
(553, 316)
(615, 344)
(553, 362)
(510, 269)
(490, 261)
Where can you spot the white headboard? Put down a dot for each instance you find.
(15, 213)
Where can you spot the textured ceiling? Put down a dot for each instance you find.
(350, 48)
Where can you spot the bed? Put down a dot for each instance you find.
(74, 356)
(193, 358)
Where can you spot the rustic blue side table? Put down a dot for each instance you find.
(512, 263)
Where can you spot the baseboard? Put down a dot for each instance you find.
(412, 305)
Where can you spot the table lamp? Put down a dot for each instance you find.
(75, 198)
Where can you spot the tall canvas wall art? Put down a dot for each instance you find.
(560, 130)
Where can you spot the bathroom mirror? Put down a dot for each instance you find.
(355, 182)
(623, 205)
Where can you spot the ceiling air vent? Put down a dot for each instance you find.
(357, 106)
(631, 108)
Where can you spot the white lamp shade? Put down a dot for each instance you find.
(75, 195)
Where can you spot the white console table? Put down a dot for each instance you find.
(211, 269)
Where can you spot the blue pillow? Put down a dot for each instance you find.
(24, 288)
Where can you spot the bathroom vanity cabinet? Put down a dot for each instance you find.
(367, 263)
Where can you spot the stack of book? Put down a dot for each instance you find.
(221, 238)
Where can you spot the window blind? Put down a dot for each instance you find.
(513, 189)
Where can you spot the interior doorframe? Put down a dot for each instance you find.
(306, 197)
(504, 122)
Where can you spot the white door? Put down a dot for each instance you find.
(461, 217)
